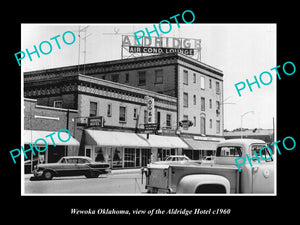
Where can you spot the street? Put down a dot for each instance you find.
(123, 183)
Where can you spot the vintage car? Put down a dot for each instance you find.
(71, 166)
(208, 160)
(174, 159)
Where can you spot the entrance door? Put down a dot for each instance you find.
(146, 154)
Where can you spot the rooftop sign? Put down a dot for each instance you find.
(159, 45)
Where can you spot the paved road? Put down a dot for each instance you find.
(104, 184)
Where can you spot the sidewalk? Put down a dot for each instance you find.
(126, 171)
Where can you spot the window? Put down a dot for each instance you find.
(218, 104)
(218, 126)
(115, 78)
(185, 99)
(135, 113)
(194, 122)
(218, 108)
(99, 156)
(194, 78)
(264, 153)
(185, 117)
(202, 104)
(129, 157)
(93, 109)
(210, 85)
(122, 114)
(127, 78)
(57, 104)
(194, 99)
(202, 82)
(168, 120)
(210, 103)
(217, 87)
(103, 77)
(82, 161)
(210, 123)
(158, 76)
(142, 77)
(109, 110)
(229, 151)
(185, 77)
(202, 125)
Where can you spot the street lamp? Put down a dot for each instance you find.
(242, 121)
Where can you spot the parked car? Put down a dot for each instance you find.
(174, 159)
(208, 160)
(71, 166)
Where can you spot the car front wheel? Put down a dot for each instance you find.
(48, 175)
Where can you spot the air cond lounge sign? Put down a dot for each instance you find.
(162, 45)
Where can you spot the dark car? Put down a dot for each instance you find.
(71, 166)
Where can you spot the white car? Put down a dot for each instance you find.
(174, 159)
(208, 160)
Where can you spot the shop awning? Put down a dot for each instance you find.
(125, 139)
(114, 139)
(158, 141)
(30, 136)
(201, 145)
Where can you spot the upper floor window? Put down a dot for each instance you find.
(122, 114)
(202, 82)
(159, 76)
(142, 77)
(57, 104)
(185, 100)
(109, 110)
(115, 78)
(93, 109)
(126, 77)
(185, 77)
(218, 87)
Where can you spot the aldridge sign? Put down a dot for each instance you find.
(161, 45)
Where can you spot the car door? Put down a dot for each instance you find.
(71, 168)
(82, 166)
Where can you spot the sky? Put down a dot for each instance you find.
(241, 51)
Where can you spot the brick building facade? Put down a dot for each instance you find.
(182, 88)
(40, 121)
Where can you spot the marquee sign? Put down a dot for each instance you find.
(159, 45)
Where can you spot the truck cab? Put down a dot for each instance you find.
(221, 177)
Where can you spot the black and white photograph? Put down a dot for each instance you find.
(149, 114)
(190, 112)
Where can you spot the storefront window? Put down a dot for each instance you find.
(117, 158)
(162, 154)
(129, 157)
(146, 155)
(99, 157)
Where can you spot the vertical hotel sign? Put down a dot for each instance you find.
(150, 109)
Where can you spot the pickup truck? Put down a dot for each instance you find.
(221, 177)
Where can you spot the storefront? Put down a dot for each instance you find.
(129, 150)
(198, 149)
(52, 154)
